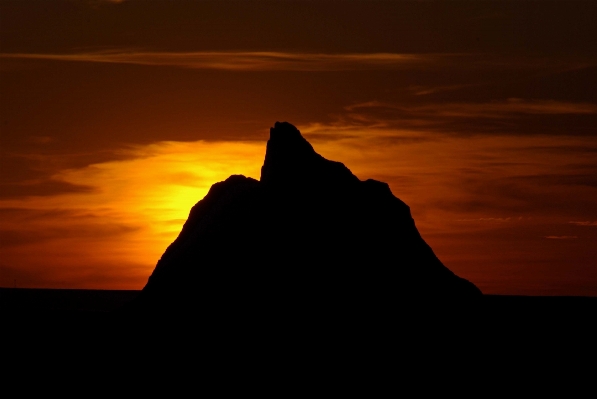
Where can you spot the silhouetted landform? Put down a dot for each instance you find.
(308, 237)
(63, 301)
(73, 332)
(90, 304)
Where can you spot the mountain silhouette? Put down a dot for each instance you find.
(309, 237)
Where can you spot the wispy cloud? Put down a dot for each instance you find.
(315, 62)
(585, 223)
(512, 116)
(243, 61)
(96, 3)
(425, 90)
(486, 220)
(41, 187)
(494, 109)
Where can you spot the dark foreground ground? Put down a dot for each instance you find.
(102, 302)
(99, 305)
(56, 301)
(85, 330)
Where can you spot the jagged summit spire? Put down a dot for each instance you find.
(291, 159)
(285, 131)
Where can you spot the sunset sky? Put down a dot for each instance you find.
(117, 116)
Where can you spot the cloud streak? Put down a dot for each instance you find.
(314, 62)
(584, 223)
(244, 61)
(494, 109)
(513, 116)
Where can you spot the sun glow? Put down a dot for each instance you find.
(163, 180)
(484, 189)
(136, 210)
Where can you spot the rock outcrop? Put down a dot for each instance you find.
(308, 237)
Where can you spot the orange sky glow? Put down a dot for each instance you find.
(108, 138)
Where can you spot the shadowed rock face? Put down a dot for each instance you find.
(308, 237)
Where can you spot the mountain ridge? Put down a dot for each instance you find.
(308, 235)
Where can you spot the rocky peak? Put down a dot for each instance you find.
(290, 159)
(309, 238)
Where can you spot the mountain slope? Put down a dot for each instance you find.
(308, 236)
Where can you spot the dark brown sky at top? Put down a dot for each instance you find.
(83, 81)
(501, 50)
(522, 27)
